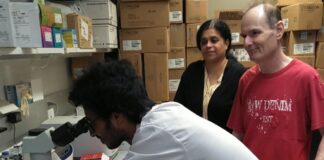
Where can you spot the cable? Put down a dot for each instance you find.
(2, 129)
(14, 133)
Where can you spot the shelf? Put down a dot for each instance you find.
(79, 50)
(45, 51)
(26, 51)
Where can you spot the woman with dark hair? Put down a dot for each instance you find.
(208, 86)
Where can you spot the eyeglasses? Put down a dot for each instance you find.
(92, 123)
(212, 39)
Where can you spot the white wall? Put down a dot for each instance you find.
(53, 70)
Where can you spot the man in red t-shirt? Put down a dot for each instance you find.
(280, 101)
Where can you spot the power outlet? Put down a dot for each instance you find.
(50, 113)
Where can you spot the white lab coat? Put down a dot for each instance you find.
(171, 132)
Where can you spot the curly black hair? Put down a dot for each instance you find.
(112, 87)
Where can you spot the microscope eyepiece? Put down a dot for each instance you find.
(67, 132)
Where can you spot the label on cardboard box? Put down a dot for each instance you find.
(176, 63)
(304, 48)
(235, 37)
(173, 85)
(48, 36)
(286, 23)
(241, 54)
(58, 18)
(322, 29)
(84, 30)
(175, 16)
(132, 45)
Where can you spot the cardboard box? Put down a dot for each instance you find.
(229, 14)
(178, 35)
(156, 76)
(196, 11)
(105, 36)
(176, 11)
(290, 2)
(144, 14)
(192, 30)
(174, 81)
(320, 55)
(242, 56)
(235, 27)
(247, 64)
(83, 28)
(78, 64)
(320, 35)
(57, 38)
(136, 60)
(193, 54)
(301, 42)
(233, 20)
(309, 59)
(140, 0)
(285, 42)
(47, 38)
(107, 14)
(177, 58)
(145, 40)
(70, 38)
(301, 16)
(240, 53)
(321, 72)
(172, 95)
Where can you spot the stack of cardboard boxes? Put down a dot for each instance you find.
(233, 19)
(145, 39)
(104, 18)
(319, 63)
(196, 14)
(304, 40)
(157, 34)
(301, 28)
(177, 54)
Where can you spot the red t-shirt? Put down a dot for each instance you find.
(277, 112)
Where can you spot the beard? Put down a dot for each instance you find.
(114, 137)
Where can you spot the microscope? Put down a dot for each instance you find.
(39, 146)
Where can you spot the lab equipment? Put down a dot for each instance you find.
(40, 146)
